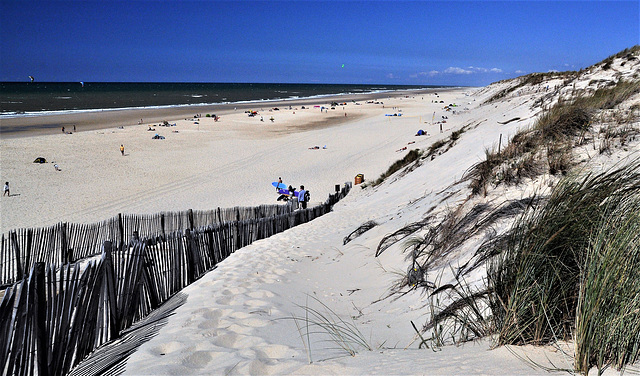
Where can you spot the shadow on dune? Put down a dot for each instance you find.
(111, 358)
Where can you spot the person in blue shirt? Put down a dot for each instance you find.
(302, 197)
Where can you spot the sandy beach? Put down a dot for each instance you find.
(201, 163)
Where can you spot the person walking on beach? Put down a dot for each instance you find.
(302, 197)
(279, 182)
(122, 149)
(6, 189)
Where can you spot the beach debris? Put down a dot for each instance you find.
(508, 121)
(359, 231)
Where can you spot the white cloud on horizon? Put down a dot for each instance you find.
(458, 70)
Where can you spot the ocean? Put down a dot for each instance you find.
(33, 98)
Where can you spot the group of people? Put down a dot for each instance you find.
(303, 194)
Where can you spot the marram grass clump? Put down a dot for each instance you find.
(570, 269)
(413, 156)
(608, 312)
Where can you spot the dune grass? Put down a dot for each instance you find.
(532, 79)
(570, 269)
(325, 322)
(549, 142)
(413, 156)
(608, 310)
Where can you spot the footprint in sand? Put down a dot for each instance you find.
(197, 360)
(226, 340)
(234, 291)
(255, 323)
(214, 314)
(275, 352)
(253, 303)
(261, 294)
(166, 348)
(209, 324)
(258, 367)
(224, 300)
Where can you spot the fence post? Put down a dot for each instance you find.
(64, 245)
(164, 234)
(16, 247)
(190, 215)
(27, 255)
(121, 229)
(189, 256)
(40, 315)
(110, 280)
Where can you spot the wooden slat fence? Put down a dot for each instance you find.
(68, 242)
(60, 312)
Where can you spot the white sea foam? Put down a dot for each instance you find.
(9, 115)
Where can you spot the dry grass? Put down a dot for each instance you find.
(413, 156)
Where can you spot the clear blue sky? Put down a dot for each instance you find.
(388, 42)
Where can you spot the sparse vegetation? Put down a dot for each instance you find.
(413, 156)
(323, 321)
(532, 79)
(359, 231)
(551, 139)
(609, 97)
(627, 53)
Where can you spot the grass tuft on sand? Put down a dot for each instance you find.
(570, 269)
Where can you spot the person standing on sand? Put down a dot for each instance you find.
(302, 198)
(122, 149)
(279, 182)
(6, 189)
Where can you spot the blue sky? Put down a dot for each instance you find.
(378, 42)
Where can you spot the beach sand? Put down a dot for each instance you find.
(227, 163)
